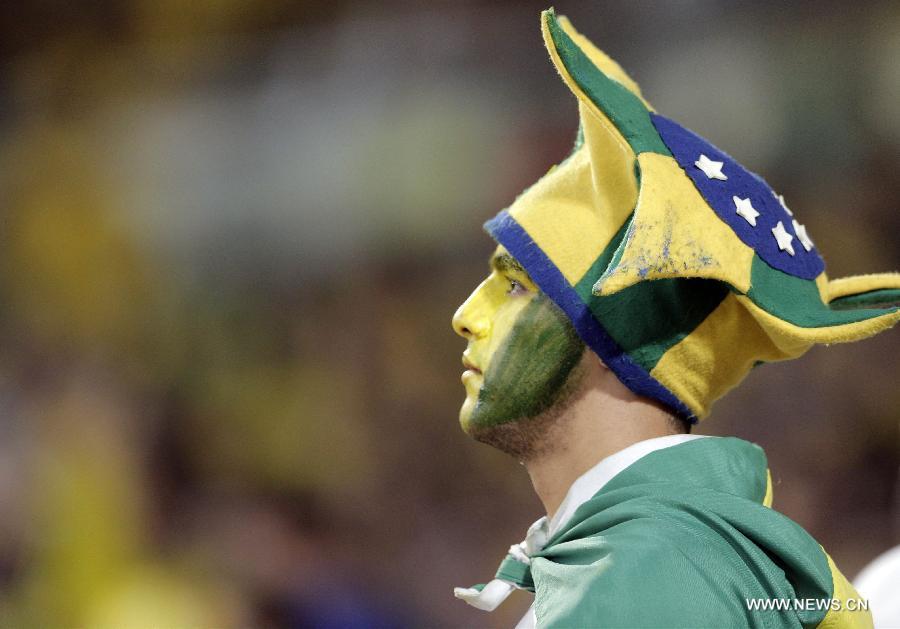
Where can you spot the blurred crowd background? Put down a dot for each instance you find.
(233, 236)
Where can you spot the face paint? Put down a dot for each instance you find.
(533, 364)
(523, 345)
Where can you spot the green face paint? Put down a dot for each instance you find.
(531, 367)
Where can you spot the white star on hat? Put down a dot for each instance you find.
(710, 168)
(745, 210)
(802, 236)
(784, 239)
(784, 205)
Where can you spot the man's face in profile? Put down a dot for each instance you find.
(520, 359)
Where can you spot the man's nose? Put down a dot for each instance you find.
(469, 322)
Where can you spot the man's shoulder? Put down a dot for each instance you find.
(681, 537)
(673, 566)
(640, 574)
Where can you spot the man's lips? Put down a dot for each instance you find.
(468, 364)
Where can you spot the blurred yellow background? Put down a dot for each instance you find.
(234, 234)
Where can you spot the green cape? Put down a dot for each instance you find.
(682, 538)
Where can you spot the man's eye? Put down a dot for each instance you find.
(516, 288)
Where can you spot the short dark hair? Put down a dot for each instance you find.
(679, 425)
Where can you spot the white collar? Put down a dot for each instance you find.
(588, 484)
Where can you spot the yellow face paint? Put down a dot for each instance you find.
(486, 318)
(521, 347)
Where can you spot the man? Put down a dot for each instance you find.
(633, 285)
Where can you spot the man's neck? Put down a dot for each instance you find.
(603, 420)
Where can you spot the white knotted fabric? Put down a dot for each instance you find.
(497, 591)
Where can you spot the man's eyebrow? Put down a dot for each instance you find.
(505, 262)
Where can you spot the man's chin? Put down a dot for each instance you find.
(510, 427)
(465, 415)
(524, 438)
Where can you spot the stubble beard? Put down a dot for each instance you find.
(529, 438)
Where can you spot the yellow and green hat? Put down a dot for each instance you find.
(681, 269)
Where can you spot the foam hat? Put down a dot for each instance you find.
(681, 269)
